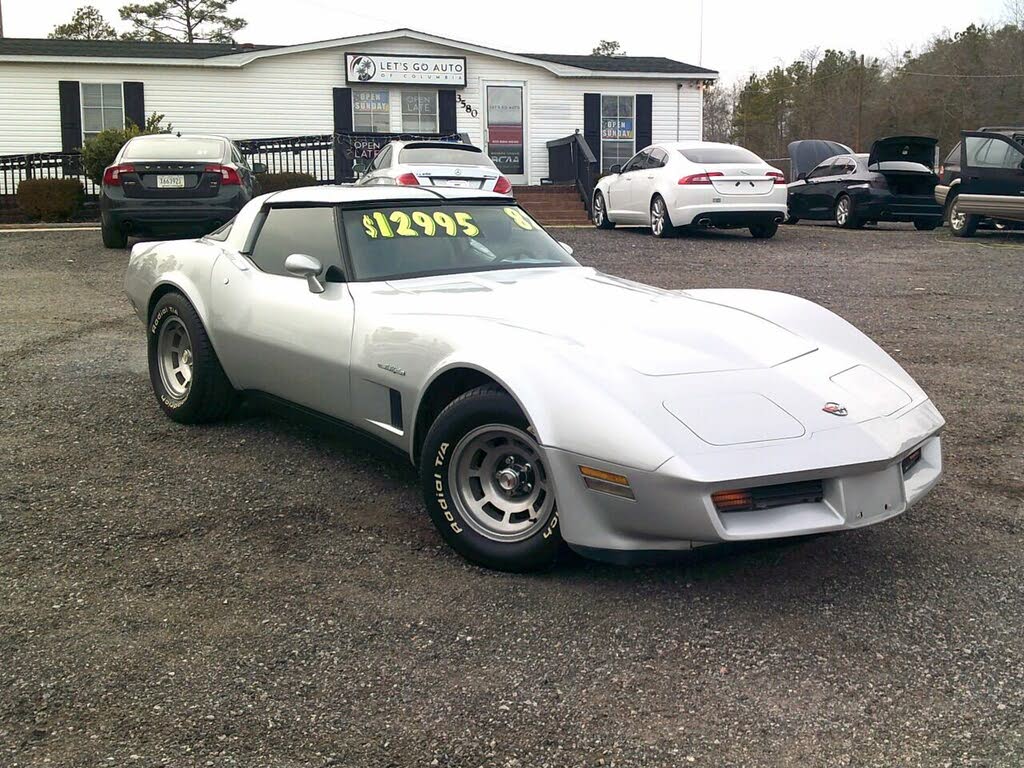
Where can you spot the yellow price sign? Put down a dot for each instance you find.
(418, 223)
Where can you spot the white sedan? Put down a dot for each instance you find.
(693, 184)
(434, 164)
(543, 401)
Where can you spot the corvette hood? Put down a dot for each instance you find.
(652, 331)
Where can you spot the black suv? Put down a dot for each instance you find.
(174, 185)
(982, 180)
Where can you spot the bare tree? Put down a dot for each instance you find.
(188, 21)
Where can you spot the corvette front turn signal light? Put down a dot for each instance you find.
(606, 482)
(733, 501)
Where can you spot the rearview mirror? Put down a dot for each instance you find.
(566, 247)
(301, 265)
(615, 168)
(259, 168)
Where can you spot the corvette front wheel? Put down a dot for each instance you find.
(487, 486)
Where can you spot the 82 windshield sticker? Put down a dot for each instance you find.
(400, 223)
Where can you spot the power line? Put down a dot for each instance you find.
(941, 74)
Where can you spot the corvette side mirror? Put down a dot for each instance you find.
(615, 169)
(258, 168)
(566, 247)
(801, 177)
(301, 265)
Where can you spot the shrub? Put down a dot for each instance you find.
(50, 199)
(101, 149)
(275, 182)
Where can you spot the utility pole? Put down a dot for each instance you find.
(700, 44)
(860, 103)
(1, 18)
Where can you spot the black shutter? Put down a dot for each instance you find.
(342, 124)
(70, 115)
(447, 120)
(643, 121)
(592, 122)
(134, 104)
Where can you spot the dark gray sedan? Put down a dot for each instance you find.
(174, 186)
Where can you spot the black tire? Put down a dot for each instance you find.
(791, 220)
(667, 228)
(483, 406)
(208, 395)
(850, 221)
(925, 225)
(764, 231)
(113, 236)
(601, 220)
(964, 225)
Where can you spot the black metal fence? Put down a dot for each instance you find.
(570, 160)
(328, 158)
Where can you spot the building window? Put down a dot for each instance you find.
(419, 111)
(102, 108)
(618, 134)
(371, 110)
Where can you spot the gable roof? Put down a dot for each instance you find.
(623, 63)
(238, 54)
(134, 49)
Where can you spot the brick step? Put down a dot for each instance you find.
(574, 205)
(548, 199)
(544, 189)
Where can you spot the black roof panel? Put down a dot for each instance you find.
(135, 49)
(657, 64)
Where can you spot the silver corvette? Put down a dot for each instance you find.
(543, 402)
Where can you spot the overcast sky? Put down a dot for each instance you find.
(740, 36)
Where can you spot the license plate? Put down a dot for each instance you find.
(457, 183)
(176, 181)
(874, 495)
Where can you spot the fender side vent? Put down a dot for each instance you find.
(396, 408)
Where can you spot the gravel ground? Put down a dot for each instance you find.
(267, 593)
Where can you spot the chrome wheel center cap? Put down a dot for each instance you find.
(186, 357)
(508, 479)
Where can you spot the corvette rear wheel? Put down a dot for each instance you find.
(184, 371)
(661, 223)
(487, 485)
(601, 213)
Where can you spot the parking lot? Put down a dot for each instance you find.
(267, 593)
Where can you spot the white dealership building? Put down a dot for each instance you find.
(56, 93)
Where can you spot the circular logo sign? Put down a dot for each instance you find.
(364, 68)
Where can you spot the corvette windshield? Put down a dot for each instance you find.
(395, 242)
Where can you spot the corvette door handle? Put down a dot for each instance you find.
(650, 177)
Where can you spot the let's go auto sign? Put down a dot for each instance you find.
(395, 68)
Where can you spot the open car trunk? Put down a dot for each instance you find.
(903, 154)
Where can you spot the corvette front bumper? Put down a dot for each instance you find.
(673, 511)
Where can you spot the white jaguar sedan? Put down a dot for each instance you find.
(693, 185)
(543, 401)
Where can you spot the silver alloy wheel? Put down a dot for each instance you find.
(174, 358)
(957, 220)
(499, 483)
(842, 211)
(599, 210)
(657, 216)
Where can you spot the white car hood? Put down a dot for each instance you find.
(652, 331)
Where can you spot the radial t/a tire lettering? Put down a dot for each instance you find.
(186, 375)
(487, 486)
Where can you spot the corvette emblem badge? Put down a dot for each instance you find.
(835, 409)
